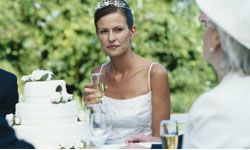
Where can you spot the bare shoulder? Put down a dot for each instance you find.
(158, 70)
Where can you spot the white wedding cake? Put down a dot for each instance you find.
(49, 117)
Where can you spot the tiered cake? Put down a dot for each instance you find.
(48, 117)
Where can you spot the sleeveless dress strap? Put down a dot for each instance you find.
(149, 70)
(102, 67)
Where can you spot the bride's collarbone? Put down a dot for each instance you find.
(127, 89)
(127, 76)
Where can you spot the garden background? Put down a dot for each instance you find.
(59, 35)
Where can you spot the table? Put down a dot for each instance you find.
(118, 146)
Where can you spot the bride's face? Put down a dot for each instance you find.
(114, 34)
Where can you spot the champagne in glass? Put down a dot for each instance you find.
(99, 85)
(169, 134)
(169, 141)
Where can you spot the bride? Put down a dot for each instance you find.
(137, 90)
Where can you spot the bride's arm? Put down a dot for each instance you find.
(160, 97)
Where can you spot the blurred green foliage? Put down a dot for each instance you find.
(59, 35)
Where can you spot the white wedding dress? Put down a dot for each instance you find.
(128, 117)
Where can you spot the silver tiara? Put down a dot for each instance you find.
(116, 3)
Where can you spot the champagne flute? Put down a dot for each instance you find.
(169, 134)
(98, 84)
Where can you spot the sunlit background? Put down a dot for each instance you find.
(59, 35)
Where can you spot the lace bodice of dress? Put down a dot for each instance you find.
(128, 117)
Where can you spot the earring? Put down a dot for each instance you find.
(211, 49)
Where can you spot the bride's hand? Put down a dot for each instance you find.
(142, 138)
(91, 95)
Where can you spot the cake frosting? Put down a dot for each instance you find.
(42, 91)
(48, 117)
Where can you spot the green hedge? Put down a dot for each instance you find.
(59, 35)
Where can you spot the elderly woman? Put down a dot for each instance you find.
(220, 117)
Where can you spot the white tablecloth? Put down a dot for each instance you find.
(117, 146)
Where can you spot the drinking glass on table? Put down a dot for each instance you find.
(99, 129)
(169, 134)
(181, 131)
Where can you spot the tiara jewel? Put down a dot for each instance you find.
(116, 3)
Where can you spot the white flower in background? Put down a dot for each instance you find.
(10, 119)
(57, 97)
(37, 5)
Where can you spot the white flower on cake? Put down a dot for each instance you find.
(57, 97)
(13, 120)
(17, 121)
(80, 144)
(66, 145)
(25, 78)
(10, 119)
(66, 97)
(61, 96)
(73, 144)
(38, 75)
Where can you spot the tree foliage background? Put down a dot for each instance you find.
(59, 35)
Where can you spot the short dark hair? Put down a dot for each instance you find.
(125, 11)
